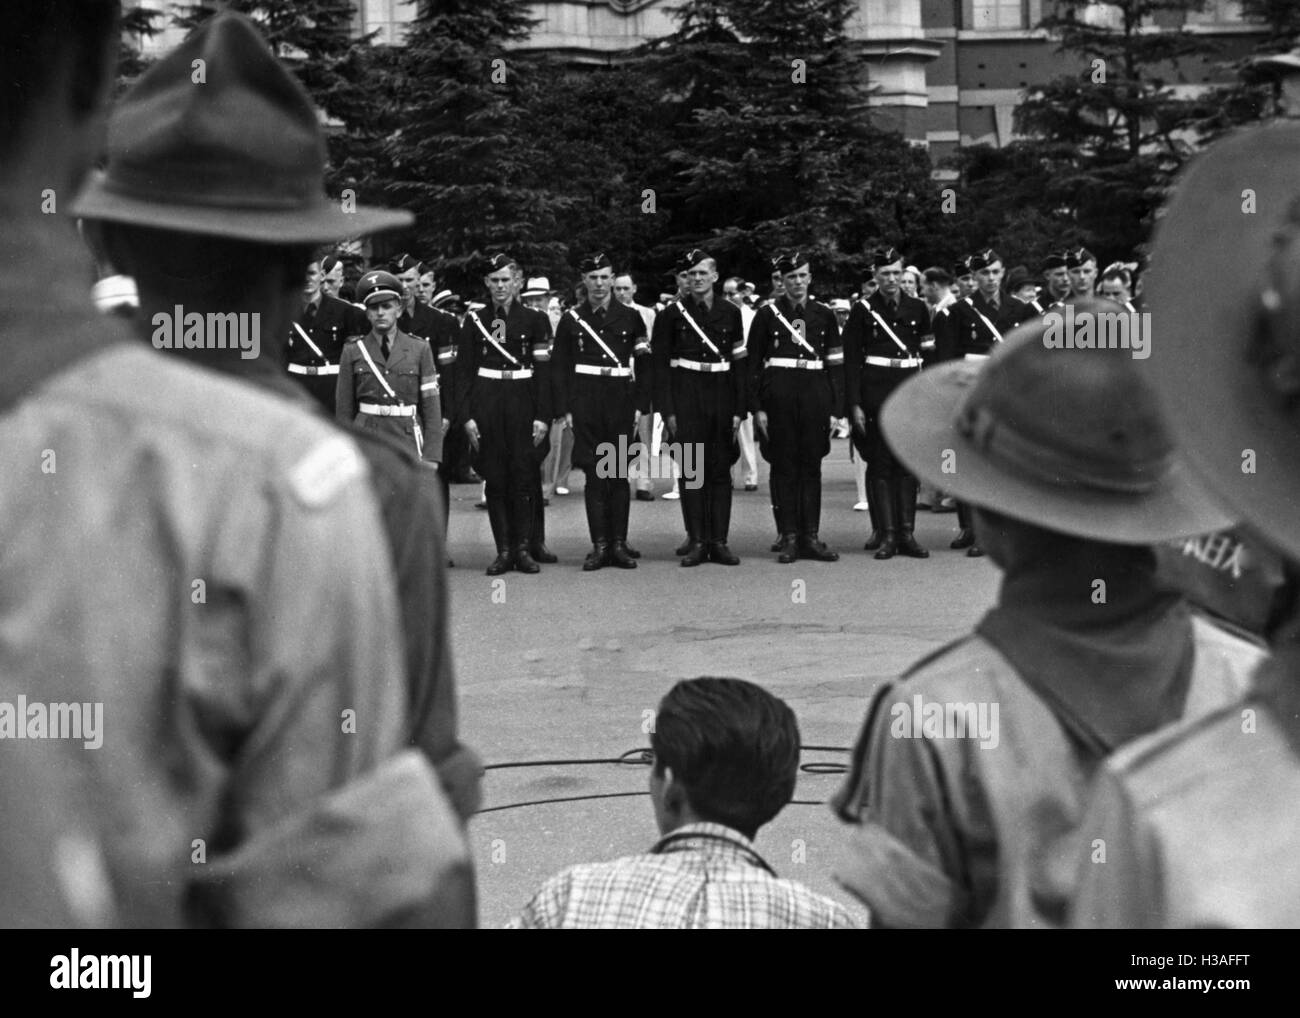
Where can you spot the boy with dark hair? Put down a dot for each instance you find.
(726, 758)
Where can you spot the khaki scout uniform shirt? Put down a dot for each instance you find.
(950, 833)
(207, 563)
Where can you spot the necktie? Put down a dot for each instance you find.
(385, 344)
(600, 316)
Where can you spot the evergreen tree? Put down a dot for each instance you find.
(593, 137)
(1250, 97)
(1110, 137)
(776, 148)
(315, 40)
(137, 25)
(462, 158)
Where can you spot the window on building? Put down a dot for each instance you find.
(1102, 15)
(994, 15)
(389, 17)
(1217, 12)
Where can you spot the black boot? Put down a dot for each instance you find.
(537, 545)
(810, 515)
(906, 491)
(718, 524)
(522, 515)
(965, 536)
(619, 507)
(597, 557)
(498, 509)
(693, 508)
(882, 498)
(875, 537)
(784, 510)
(788, 547)
(685, 546)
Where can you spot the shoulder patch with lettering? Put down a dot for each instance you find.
(324, 471)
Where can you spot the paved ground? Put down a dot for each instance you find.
(568, 665)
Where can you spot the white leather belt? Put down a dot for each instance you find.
(383, 410)
(312, 369)
(976, 357)
(681, 362)
(596, 369)
(895, 362)
(505, 376)
(793, 362)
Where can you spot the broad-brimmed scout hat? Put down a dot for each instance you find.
(1225, 357)
(219, 138)
(1069, 439)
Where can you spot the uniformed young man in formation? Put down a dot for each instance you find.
(504, 379)
(971, 819)
(882, 349)
(601, 367)
(317, 337)
(1058, 291)
(976, 324)
(1081, 265)
(387, 379)
(700, 385)
(1199, 821)
(331, 276)
(796, 385)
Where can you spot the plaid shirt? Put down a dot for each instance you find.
(702, 876)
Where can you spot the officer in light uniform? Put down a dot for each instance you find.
(797, 383)
(387, 379)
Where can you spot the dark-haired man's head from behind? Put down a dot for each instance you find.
(726, 752)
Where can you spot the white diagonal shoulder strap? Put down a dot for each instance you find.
(492, 339)
(700, 332)
(885, 325)
(307, 339)
(798, 336)
(997, 336)
(573, 313)
(378, 374)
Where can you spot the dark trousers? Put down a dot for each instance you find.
(705, 407)
(877, 385)
(604, 412)
(798, 408)
(507, 458)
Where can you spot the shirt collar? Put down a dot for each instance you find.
(705, 837)
(603, 306)
(705, 302)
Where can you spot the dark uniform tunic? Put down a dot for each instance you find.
(696, 382)
(412, 412)
(797, 379)
(503, 390)
(603, 392)
(328, 323)
(439, 330)
(977, 326)
(876, 363)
